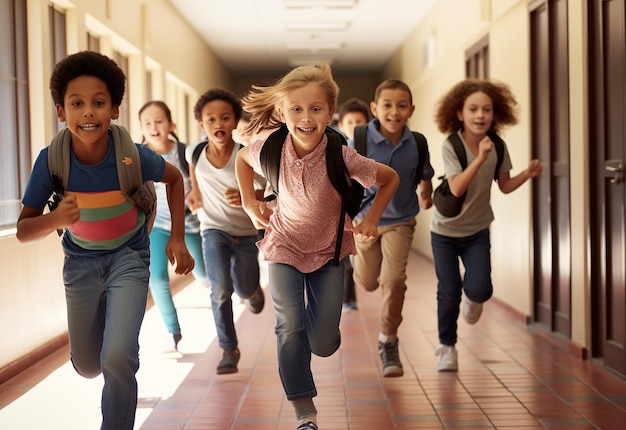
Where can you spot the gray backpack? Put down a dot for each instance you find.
(142, 194)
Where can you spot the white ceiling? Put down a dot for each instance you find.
(260, 36)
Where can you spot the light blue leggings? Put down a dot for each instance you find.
(159, 275)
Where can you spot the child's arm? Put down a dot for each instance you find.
(508, 184)
(255, 208)
(176, 250)
(426, 194)
(194, 199)
(32, 224)
(387, 180)
(460, 183)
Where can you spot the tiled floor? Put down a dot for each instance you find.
(509, 378)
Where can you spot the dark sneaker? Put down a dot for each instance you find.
(256, 301)
(228, 363)
(308, 425)
(391, 359)
(172, 342)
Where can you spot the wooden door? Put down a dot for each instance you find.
(551, 191)
(607, 142)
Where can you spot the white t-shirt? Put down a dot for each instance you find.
(216, 213)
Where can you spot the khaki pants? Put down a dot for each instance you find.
(383, 263)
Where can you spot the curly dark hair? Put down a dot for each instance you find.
(218, 94)
(87, 63)
(504, 104)
(354, 105)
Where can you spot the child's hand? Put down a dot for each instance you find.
(233, 197)
(484, 147)
(534, 168)
(178, 254)
(194, 201)
(67, 213)
(366, 231)
(259, 214)
(426, 200)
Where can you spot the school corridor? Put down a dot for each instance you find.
(510, 376)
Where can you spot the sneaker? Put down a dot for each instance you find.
(447, 358)
(391, 359)
(256, 301)
(308, 425)
(471, 310)
(228, 363)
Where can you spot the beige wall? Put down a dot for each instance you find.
(507, 24)
(32, 301)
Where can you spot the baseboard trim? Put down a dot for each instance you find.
(21, 364)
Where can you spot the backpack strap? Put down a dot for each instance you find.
(58, 167)
(197, 151)
(181, 157)
(422, 150)
(340, 178)
(58, 160)
(270, 155)
(498, 143)
(127, 162)
(360, 139)
(459, 149)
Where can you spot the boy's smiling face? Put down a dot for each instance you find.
(393, 109)
(87, 110)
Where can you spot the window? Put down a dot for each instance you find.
(149, 84)
(58, 50)
(477, 60)
(93, 43)
(14, 109)
(124, 118)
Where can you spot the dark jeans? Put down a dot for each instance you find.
(474, 253)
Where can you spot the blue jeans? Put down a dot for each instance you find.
(474, 252)
(159, 274)
(106, 300)
(232, 266)
(305, 327)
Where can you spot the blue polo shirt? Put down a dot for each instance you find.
(403, 158)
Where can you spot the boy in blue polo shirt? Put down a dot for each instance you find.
(383, 261)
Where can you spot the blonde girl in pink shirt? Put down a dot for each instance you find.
(300, 237)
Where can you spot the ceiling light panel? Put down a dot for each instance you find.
(318, 26)
(334, 4)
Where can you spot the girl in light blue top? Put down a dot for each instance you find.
(157, 126)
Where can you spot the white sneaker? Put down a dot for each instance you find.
(447, 358)
(471, 310)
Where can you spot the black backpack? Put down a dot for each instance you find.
(351, 191)
(360, 144)
(447, 203)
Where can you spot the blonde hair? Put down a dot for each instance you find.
(261, 102)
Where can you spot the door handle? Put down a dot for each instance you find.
(617, 168)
